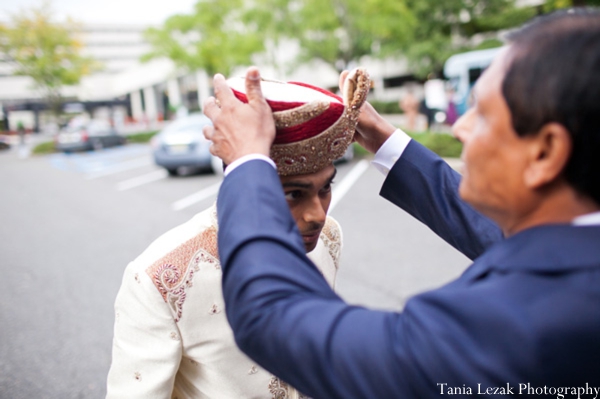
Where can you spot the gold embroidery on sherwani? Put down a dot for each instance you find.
(333, 241)
(281, 390)
(172, 274)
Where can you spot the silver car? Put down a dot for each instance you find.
(87, 135)
(182, 145)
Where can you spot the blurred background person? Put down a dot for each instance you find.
(410, 106)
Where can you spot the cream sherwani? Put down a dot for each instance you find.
(171, 336)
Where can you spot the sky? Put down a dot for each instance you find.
(133, 12)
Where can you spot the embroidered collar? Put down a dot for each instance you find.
(544, 249)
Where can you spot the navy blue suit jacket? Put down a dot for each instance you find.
(524, 315)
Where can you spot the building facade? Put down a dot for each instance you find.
(137, 95)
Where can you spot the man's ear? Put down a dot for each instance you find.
(550, 151)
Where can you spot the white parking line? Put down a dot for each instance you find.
(340, 189)
(120, 167)
(196, 197)
(141, 180)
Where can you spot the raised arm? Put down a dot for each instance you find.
(425, 186)
(286, 317)
(283, 313)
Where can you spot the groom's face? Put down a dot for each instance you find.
(308, 197)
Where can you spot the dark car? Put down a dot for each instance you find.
(87, 135)
(4, 144)
(182, 145)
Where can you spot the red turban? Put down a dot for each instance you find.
(314, 126)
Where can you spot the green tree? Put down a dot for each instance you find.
(551, 5)
(272, 21)
(219, 36)
(215, 37)
(46, 51)
(340, 32)
(450, 26)
(427, 32)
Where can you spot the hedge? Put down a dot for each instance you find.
(47, 147)
(141, 137)
(386, 107)
(445, 145)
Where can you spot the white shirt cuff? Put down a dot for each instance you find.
(390, 151)
(246, 158)
(591, 219)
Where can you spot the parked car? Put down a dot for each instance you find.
(182, 145)
(87, 135)
(4, 144)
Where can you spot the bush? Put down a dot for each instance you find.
(443, 144)
(46, 147)
(141, 137)
(386, 107)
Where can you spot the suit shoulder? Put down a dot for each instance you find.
(333, 239)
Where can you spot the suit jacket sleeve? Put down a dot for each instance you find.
(425, 186)
(283, 313)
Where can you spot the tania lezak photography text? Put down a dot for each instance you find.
(521, 389)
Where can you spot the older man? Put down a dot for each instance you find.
(525, 316)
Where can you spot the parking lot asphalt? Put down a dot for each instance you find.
(72, 222)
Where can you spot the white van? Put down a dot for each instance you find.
(462, 70)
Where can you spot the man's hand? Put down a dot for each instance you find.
(239, 129)
(372, 130)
